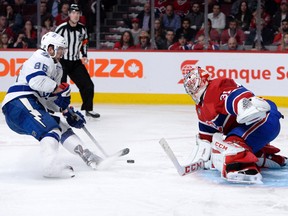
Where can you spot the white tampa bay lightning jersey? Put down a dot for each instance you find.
(39, 76)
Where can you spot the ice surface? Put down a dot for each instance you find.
(150, 186)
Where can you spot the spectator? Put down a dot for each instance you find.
(10, 15)
(135, 30)
(47, 25)
(160, 6)
(43, 13)
(15, 20)
(169, 40)
(4, 41)
(144, 41)
(185, 29)
(159, 33)
(244, 16)
(233, 31)
(280, 15)
(271, 6)
(126, 42)
(196, 17)
(232, 45)
(266, 37)
(182, 43)
(284, 29)
(30, 34)
(284, 44)
(181, 8)
(145, 18)
(252, 6)
(213, 33)
(218, 18)
(4, 28)
(21, 42)
(63, 15)
(264, 16)
(200, 44)
(170, 20)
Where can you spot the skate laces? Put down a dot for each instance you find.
(90, 157)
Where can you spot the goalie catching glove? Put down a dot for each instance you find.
(74, 119)
(63, 96)
(252, 110)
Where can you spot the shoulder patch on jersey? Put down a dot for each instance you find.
(45, 54)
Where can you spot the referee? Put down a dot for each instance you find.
(76, 36)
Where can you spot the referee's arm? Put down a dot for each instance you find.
(84, 46)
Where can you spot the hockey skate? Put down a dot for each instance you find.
(267, 158)
(92, 114)
(88, 157)
(242, 173)
(58, 171)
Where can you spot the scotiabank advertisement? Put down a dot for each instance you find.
(161, 72)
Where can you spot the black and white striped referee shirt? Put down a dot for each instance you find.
(77, 40)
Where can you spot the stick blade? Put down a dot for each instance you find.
(107, 162)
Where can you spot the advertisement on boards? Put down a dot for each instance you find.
(161, 72)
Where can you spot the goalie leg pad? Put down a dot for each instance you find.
(201, 151)
(236, 163)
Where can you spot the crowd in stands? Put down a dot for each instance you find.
(179, 25)
(18, 19)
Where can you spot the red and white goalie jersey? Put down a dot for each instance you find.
(218, 109)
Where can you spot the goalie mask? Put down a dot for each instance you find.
(196, 82)
(52, 38)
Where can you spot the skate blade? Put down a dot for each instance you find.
(244, 179)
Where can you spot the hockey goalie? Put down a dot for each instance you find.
(237, 125)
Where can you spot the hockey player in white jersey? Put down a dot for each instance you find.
(30, 103)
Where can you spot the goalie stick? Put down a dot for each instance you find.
(182, 170)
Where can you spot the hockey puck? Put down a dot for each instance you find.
(130, 161)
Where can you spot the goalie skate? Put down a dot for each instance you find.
(267, 158)
(244, 177)
(236, 163)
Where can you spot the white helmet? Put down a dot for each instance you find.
(196, 82)
(52, 38)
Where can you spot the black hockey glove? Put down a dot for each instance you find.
(74, 119)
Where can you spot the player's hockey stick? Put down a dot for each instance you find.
(119, 153)
(182, 170)
(94, 141)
